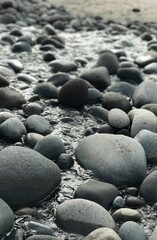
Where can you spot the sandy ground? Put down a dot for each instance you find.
(118, 10)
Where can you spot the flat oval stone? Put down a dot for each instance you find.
(131, 74)
(116, 159)
(99, 113)
(126, 214)
(122, 87)
(144, 60)
(32, 138)
(102, 234)
(19, 47)
(40, 237)
(83, 215)
(6, 218)
(46, 90)
(3, 81)
(63, 66)
(30, 169)
(151, 107)
(16, 65)
(134, 202)
(150, 68)
(118, 118)
(59, 79)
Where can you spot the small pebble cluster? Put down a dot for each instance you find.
(78, 125)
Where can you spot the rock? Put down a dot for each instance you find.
(146, 36)
(126, 64)
(148, 140)
(102, 234)
(131, 74)
(96, 191)
(49, 29)
(15, 234)
(38, 124)
(54, 42)
(106, 128)
(84, 216)
(15, 64)
(98, 77)
(5, 115)
(144, 60)
(26, 211)
(6, 218)
(9, 39)
(12, 129)
(38, 228)
(50, 147)
(21, 47)
(134, 202)
(116, 100)
(27, 39)
(3, 81)
(74, 93)
(140, 113)
(59, 79)
(151, 107)
(145, 93)
(10, 98)
(148, 190)
(109, 60)
(99, 113)
(64, 161)
(46, 90)
(6, 72)
(122, 87)
(117, 159)
(118, 202)
(32, 138)
(94, 96)
(32, 108)
(154, 234)
(150, 68)
(40, 237)
(49, 56)
(26, 78)
(132, 231)
(8, 18)
(63, 66)
(30, 168)
(117, 118)
(126, 214)
(133, 191)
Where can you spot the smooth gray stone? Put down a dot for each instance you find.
(131, 74)
(29, 177)
(99, 113)
(32, 138)
(39, 228)
(41, 237)
(96, 191)
(38, 124)
(50, 147)
(46, 90)
(83, 215)
(151, 107)
(151, 68)
(117, 118)
(6, 218)
(102, 234)
(63, 66)
(122, 87)
(126, 214)
(132, 231)
(16, 65)
(116, 159)
(118, 202)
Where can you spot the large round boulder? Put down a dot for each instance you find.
(26, 176)
(82, 216)
(116, 159)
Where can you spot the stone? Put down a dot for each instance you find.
(94, 96)
(32, 108)
(49, 29)
(99, 113)
(97, 191)
(148, 140)
(118, 202)
(116, 100)
(31, 139)
(83, 215)
(150, 68)
(134, 202)
(19, 47)
(38, 124)
(109, 60)
(6, 72)
(106, 128)
(102, 234)
(126, 214)
(145, 93)
(54, 42)
(38, 228)
(63, 66)
(132, 231)
(131, 74)
(146, 36)
(40, 237)
(64, 161)
(154, 234)
(49, 56)
(151, 107)
(6, 218)
(98, 77)
(117, 118)
(15, 64)
(10, 98)
(5, 115)
(136, 112)
(50, 146)
(74, 93)
(3, 81)
(8, 18)
(144, 60)
(46, 90)
(59, 79)
(122, 87)
(30, 169)
(26, 78)
(12, 129)
(117, 159)
(148, 190)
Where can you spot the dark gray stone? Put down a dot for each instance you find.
(151, 68)
(122, 87)
(63, 66)
(118, 202)
(99, 113)
(46, 90)
(32, 108)
(59, 79)
(40, 237)
(131, 74)
(3, 81)
(29, 177)
(21, 47)
(116, 159)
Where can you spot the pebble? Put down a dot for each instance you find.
(144, 60)
(150, 68)
(49, 29)
(98, 77)
(46, 90)
(154, 234)
(94, 96)
(147, 189)
(24, 189)
(117, 118)
(49, 56)
(3, 81)
(38, 124)
(15, 64)
(38, 228)
(74, 93)
(146, 36)
(100, 192)
(31, 139)
(62, 66)
(21, 47)
(122, 87)
(16, 234)
(109, 60)
(32, 108)
(12, 129)
(59, 79)
(99, 113)
(126, 214)
(102, 233)
(112, 100)
(118, 202)
(40, 237)
(107, 162)
(84, 216)
(6, 218)
(53, 42)
(50, 146)
(132, 231)
(106, 128)
(131, 74)
(27, 78)
(134, 202)
(151, 107)
(133, 191)
(64, 161)
(25, 211)
(6, 71)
